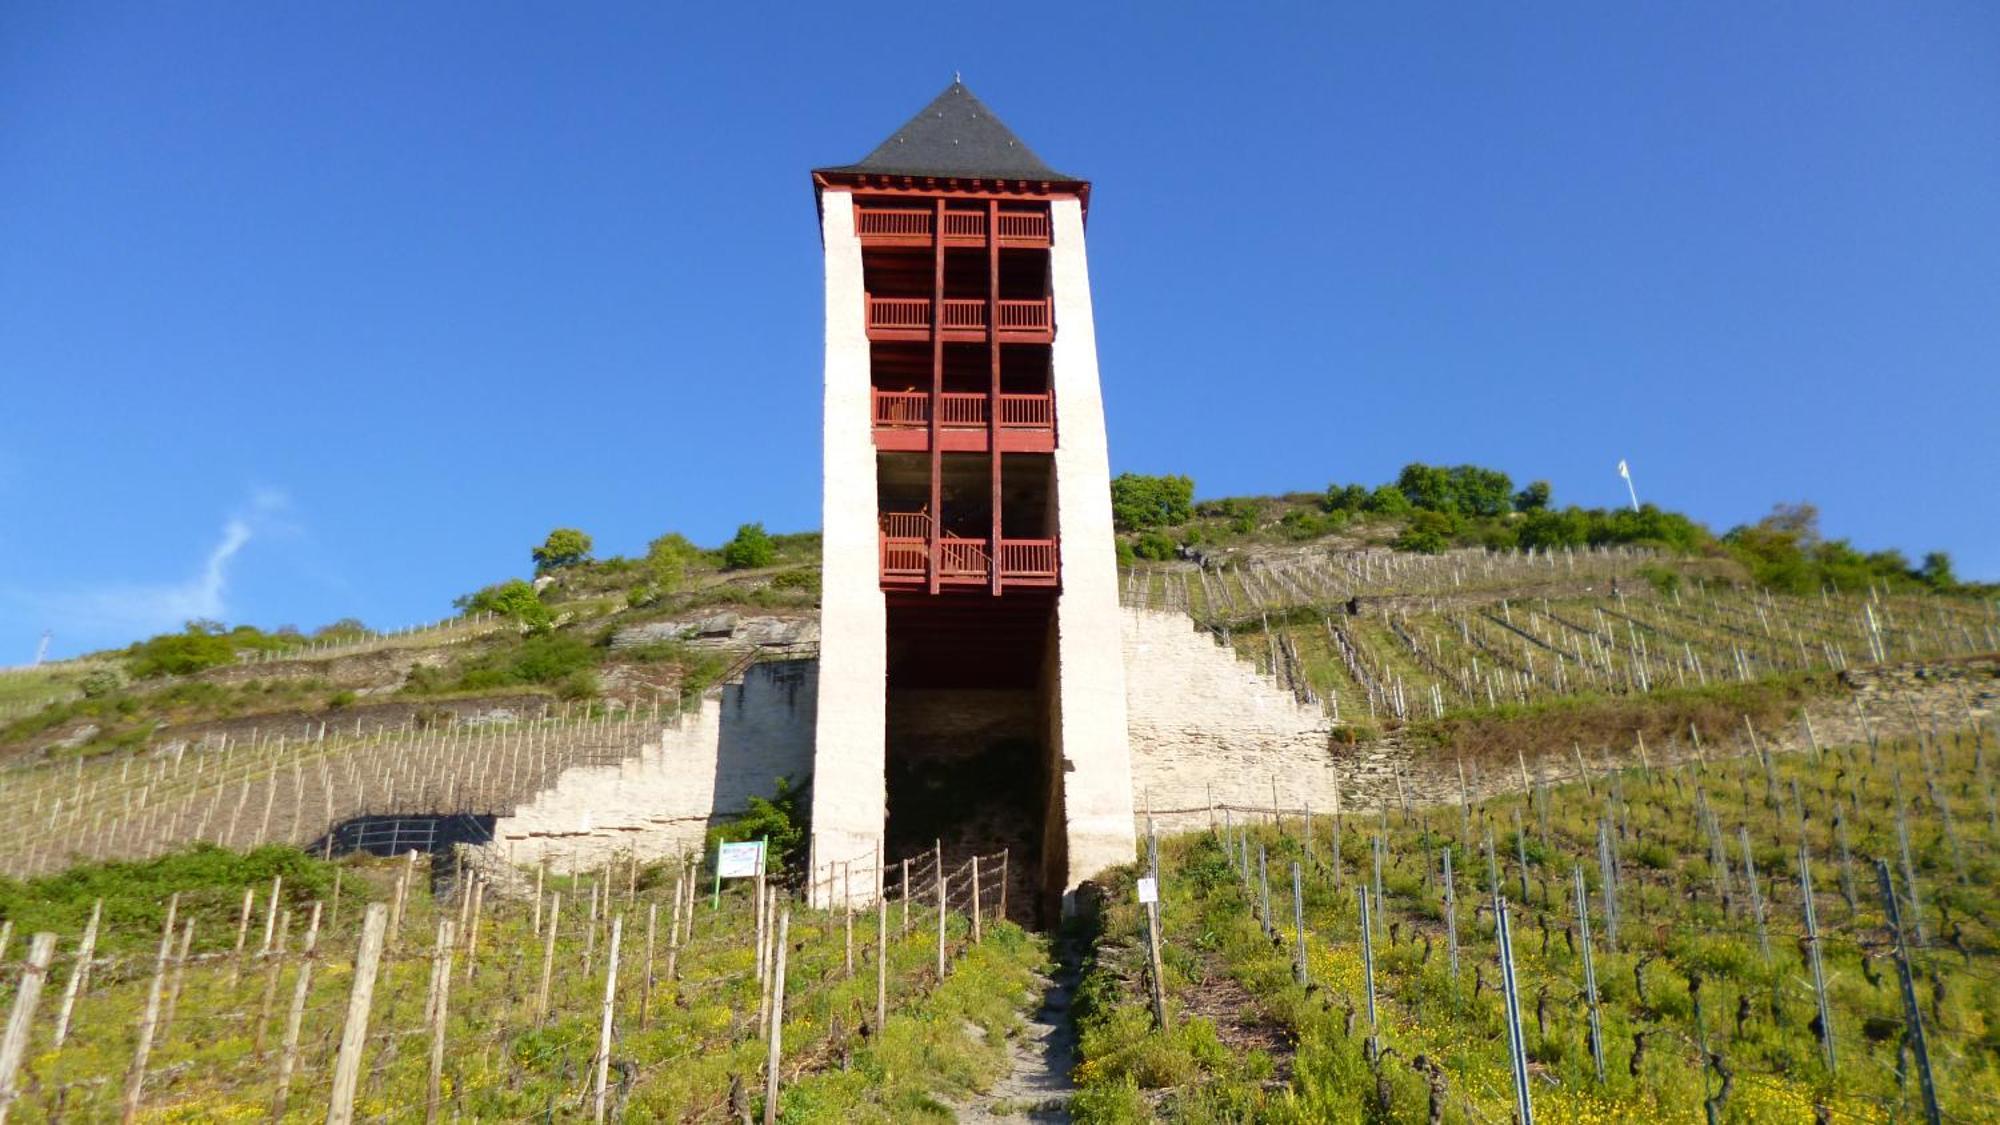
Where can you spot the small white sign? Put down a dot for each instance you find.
(739, 861)
(1149, 891)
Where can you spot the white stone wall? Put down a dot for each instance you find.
(1206, 725)
(662, 801)
(849, 797)
(1089, 694)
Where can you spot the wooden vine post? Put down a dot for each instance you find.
(354, 1033)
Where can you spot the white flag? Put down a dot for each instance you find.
(1623, 471)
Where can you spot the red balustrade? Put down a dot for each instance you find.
(1018, 316)
(964, 224)
(906, 525)
(906, 554)
(905, 560)
(962, 558)
(899, 312)
(959, 409)
(961, 314)
(912, 409)
(960, 226)
(902, 408)
(1023, 226)
(893, 222)
(1028, 412)
(1028, 559)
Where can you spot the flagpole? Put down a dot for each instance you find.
(1625, 471)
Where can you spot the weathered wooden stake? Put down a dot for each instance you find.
(602, 1071)
(548, 956)
(27, 994)
(78, 975)
(354, 1033)
(776, 1052)
(435, 1008)
(288, 1055)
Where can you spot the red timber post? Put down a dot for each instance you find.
(993, 394)
(936, 551)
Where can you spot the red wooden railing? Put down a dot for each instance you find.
(906, 554)
(905, 559)
(895, 222)
(1024, 315)
(1028, 412)
(898, 222)
(964, 312)
(960, 314)
(899, 312)
(959, 409)
(903, 409)
(1024, 226)
(906, 525)
(962, 558)
(964, 224)
(1028, 558)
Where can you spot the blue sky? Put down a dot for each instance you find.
(334, 312)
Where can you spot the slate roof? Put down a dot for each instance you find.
(955, 135)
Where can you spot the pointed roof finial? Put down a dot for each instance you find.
(957, 79)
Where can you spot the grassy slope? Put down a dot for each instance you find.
(677, 1062)
(1757, 1014)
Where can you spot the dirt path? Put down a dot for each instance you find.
(1037, 1086)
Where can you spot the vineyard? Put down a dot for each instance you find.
(1759, 938)
(1379, 635)
(261, 789)
(632, 992)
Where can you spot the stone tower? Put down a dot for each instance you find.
(971, 685)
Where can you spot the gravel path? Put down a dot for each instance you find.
(1038, 1086)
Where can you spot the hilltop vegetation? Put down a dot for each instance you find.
(549, 637)
(1429, 509)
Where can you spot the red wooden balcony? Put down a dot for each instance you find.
(907, 556)
(898, 226)
(902, 422)
(912, 409)
(910, 317)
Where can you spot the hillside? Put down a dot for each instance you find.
(1443, 679)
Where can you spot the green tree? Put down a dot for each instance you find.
(1936, 571)
(1345, 498)
(1154, 546)
(565, 546)
(1534, 498)
(668, 559)
(1139, 502)
(1428, 488)
(751, 548)
(1388, 500)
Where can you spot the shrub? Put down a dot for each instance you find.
(1139, 502)
(512, 598)
(1154, 546)
(198, 647)
(565, 546)
(1428, 533)
(1388, 500)
(1534, 497)
(805, 578)
(780, 821)
(100, 683)
(752, 547)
